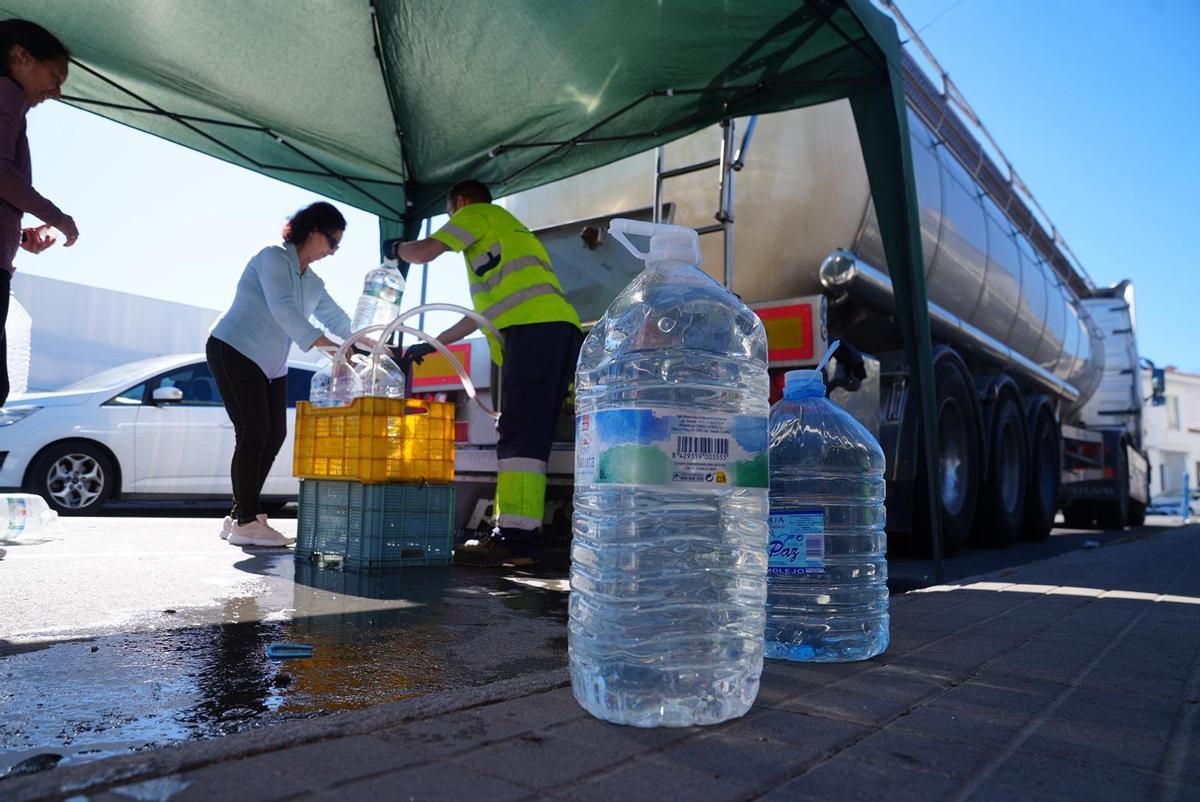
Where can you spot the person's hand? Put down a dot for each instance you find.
(327, 346)
(36, 240)
(68, 227)
(417, 353)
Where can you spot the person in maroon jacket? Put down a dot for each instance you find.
(33, 67)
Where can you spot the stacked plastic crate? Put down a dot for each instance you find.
(376, 489)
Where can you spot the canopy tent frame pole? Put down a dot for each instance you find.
(881, 118)
(411, 220)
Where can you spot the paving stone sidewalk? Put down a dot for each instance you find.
(1075, 678)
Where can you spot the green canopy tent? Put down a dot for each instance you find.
(383, 105)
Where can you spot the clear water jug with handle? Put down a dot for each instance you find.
(26, 514)
(335, 384)
(381, 377)
(383, 290)
(827, 596)
(669, 552)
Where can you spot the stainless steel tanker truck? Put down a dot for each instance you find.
(1036, 369)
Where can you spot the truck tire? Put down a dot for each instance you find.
(1115, 514)
(1045, 475)
(1002, 496)
(1137, 513)
(958, 467)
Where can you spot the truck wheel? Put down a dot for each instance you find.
(958, 466)
(75, 478)
(1002, 496)
(1137, 513)
(1045, 475)
(1115, 514)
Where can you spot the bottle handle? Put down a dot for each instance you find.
(618, 227)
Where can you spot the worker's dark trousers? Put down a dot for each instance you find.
(539, 366)
(257, 406)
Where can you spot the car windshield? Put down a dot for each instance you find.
(121, 374)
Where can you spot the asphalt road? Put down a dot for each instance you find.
(142, 627)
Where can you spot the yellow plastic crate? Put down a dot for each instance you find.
(375, 440)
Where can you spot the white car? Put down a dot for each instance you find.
(153, 429)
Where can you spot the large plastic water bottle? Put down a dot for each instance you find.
(26, 514)
(383, 289)
(381, 377)
(336, 384)
(827, 598)
(669, 557)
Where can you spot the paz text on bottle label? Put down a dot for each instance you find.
(674, 447)
(797, 542)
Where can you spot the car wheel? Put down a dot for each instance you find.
(75, 478)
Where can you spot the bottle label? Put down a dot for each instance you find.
(383, 292)
(18, 510)
(797, 542)
(678, 448)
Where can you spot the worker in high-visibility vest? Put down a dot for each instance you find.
(513, 285)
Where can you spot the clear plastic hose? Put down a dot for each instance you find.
(388, 329)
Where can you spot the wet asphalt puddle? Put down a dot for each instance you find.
(375, 638)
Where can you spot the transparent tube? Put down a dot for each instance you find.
(387, 330)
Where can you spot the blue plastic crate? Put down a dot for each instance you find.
(375, 526)
(423, 584)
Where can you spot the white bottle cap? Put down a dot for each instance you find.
(668, 243)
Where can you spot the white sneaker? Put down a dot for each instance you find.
(226, 527)
(262, 518)
(256, 533)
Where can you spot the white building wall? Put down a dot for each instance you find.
(80, 330)
(1173, 433)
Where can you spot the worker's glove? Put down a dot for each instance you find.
(416, 353)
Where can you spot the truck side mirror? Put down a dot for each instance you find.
(1158, 387)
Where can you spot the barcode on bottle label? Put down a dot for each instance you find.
(710, 447)
(797, 544)
(685, 449)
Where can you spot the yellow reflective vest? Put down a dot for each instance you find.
(512, 282)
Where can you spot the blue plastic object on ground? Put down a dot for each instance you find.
(284, 651)
(827, 597)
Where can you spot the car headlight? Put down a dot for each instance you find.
(11, 415)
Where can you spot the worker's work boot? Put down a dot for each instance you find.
(501, 548)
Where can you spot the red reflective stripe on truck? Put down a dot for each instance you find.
(789, 331)
(435, 369)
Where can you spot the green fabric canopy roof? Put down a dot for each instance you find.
(384, 105)
(380, 108)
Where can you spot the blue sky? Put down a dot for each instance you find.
(1097, 105)
(160, 220)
